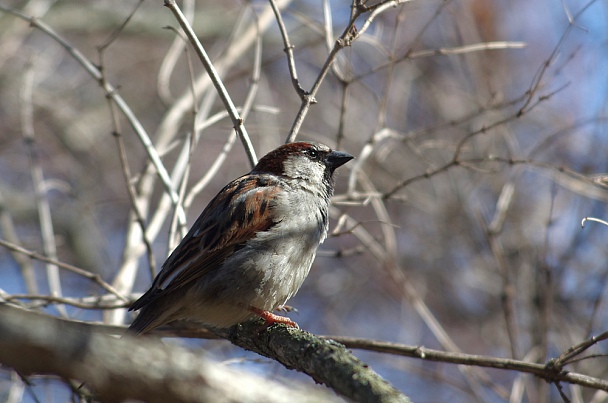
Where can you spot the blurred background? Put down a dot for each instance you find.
(481, 141)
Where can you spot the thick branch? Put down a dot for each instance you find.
(325, 361)
(142, 369)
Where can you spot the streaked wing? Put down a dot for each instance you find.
(234, 216)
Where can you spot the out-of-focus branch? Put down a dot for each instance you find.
(135, 201)
(7, 227)
(40, 186)
(167, 68)
(76, 270)
(111, 92)
(309, 99)
(102, 302)
(217, 82)
(129, 368)
(349, 34)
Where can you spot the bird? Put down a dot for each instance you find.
(251, 248)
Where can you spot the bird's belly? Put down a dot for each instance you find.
(267, 271)
(273, 276)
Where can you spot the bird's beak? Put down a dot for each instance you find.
(337, 158)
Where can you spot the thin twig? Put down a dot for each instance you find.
(288, 49)
(174, 235)
(76, 270)
(349, 34)
(173, 54)
(217, 82)
(329, 28)
(40, 188)
(114, 35)
(95, 303)
(592, 219)
(255, 74)
(377, 10)
(475, 47)
(508, 288)
(247, 105)
(113, 94)
(540, 370)
(567, 356)
(309, 99)
(122, 154)
(536, 81)
(413, 44)
(7, 227)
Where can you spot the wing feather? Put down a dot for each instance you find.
(241, 210)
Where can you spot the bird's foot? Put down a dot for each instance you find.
(271, 318)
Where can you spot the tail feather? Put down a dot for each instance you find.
(152, 314)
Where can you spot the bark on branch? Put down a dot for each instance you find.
(325, 361)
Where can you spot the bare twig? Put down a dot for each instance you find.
(113, 94)
(76, 270)
(190, 144)
(537, 80)
(221, 158)
(593, 219)
(40, 187)
(172, 56)
(474, 47)
(309, 99)
(9, 232)
(116, 33)
(349, 35)
(377, 9)
(288, 49)
(122, 153)
(543, 371)
(217, 82)
(568, 356)
(94, 303)
(508, 288)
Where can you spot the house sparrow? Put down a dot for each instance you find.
(252, 246)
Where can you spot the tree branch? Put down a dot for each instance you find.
(550, 372)
(143, 368)
(130, 368)
(325, 361)
(239, 127)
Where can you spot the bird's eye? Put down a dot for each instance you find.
(313, 154)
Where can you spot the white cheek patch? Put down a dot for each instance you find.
(289, 166)
(302, 167)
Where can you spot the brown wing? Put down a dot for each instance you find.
(242, 209)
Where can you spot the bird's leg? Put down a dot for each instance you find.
(271, 318)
